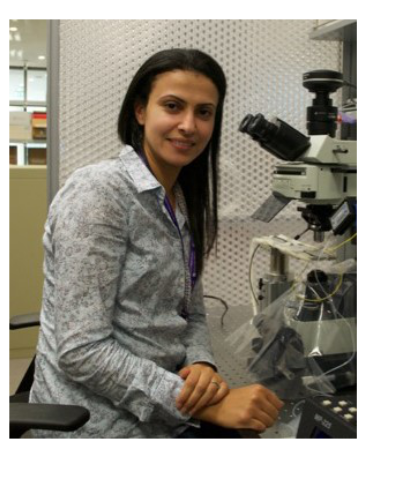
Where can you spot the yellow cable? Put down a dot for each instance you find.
(334, 248)
(328, 296)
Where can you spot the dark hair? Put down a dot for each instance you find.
(199, 179)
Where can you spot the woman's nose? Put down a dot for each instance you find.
(187, 123)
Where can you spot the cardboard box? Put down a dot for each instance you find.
(20, 126)
(38, 133)
(13, 155)
(37, 156)
(39, 126)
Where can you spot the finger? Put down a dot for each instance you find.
(213, 395)
(223, 391)
(195, 398)
(267, 417)
(274, 399)
(185, 393)
(203, 387)
(183, 373)
(187, 390)
(257, 425)
(271, 410)
(206, 399)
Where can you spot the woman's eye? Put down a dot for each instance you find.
(205, 113)
(172, 106)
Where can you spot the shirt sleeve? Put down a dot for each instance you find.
(89, 244)
(197, 339)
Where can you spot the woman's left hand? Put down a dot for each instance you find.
(202, 387)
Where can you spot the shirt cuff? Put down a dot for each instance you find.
(198, 354)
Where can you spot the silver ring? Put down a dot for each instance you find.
(216, 383)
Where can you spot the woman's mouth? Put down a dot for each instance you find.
(181, 144)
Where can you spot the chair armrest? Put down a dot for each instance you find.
(61, 417)
(24, 321)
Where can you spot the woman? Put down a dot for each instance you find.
(123, 330)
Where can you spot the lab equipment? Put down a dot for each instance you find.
(302, 338)
(333, 417)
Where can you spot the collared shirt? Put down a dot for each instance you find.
(112, 337)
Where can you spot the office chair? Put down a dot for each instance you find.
(24, 415)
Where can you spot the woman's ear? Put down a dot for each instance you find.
(139, 111)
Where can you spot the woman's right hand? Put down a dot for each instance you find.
(252, 407)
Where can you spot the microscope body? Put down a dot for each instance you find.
(319, 171)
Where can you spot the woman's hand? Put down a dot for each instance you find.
(252, 407)
(202, 387)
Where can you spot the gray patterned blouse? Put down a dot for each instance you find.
(112, 337)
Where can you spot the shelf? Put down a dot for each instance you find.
(28, 142)
(332, 30)
(31, 152)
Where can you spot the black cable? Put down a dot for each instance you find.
(223, 302)
(249, 272)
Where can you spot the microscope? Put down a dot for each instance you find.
(319, 171)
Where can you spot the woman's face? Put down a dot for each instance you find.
(178, 119)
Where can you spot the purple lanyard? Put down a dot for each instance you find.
(191, 261)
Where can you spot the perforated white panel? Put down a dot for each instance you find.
(322, 22)
(263, 60)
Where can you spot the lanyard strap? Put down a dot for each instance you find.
(191, 258)
(192, 269)
(190, 275)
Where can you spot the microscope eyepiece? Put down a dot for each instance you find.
(276, 136)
